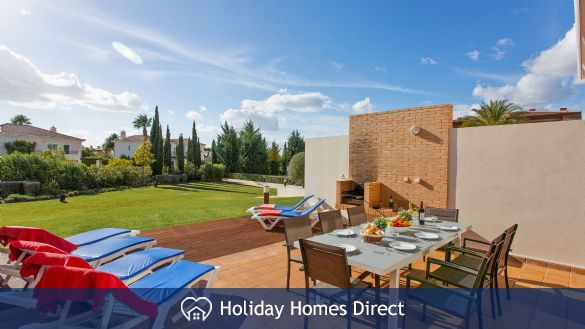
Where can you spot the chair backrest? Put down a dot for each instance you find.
(325, 263)
(490, 261)
(357, 215)
(449, 215)
(312, 207)
(330, 221)
(510, 233)
(296, 228)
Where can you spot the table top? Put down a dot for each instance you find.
(379, 258)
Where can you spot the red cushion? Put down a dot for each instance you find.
(17, 247)
(62, 283)
(9, 234)
(271, 213)
(32, 265)
(266, 206)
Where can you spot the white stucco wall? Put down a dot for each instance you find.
(326, 159)
(531, 174)
(42, 145)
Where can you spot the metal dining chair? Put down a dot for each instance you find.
(326, 266)
(330, 221)
(470, 298)
(357, 215)
(295, 228)
(444, 214)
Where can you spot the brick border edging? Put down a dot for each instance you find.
(548, 264)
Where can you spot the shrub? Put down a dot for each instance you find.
(212, 172)
(258, 178)
(296, 168)
(20, 146)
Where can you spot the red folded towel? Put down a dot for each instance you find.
(266, 206)
(17, 247)
(9, 234)
(32, 265)
(271, 213)
(61, 283)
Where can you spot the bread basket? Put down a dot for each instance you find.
(371, 238)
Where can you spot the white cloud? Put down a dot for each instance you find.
(227, 66)
(264, 112)
(461, 110)
(237, 117)
(207, 128)
(363, 106)
(336, 66)
(24, 12)
(171, 112)
(428, 61)
(23, 84)
(473, 55)
(549, 77)
(380, 68)
(127, 52)
(306, 102)
(193, 115)
(202, 108)
(499, 50)
(505, 42)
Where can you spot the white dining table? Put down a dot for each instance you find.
(382, 260)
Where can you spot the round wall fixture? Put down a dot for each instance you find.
(414, 130)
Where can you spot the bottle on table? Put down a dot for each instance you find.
(391, 203)
(421, 214)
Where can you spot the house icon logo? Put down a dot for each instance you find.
(196, 309)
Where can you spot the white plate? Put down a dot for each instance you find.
(399, 245)
(426, 235)
(431, 219)
(449, 228)
(348, 247)
(344, 232)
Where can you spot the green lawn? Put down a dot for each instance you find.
(139, 208)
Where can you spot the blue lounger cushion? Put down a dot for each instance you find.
(135, 263)
(108, 247)
(161, 285)
(94, 236)
(302, 213)
(279, 207)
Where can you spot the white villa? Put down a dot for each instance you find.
(45, 139)
(126, 145)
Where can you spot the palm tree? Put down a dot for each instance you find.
(142, 121)
(20, 119)
(500, 112)
(109, 142)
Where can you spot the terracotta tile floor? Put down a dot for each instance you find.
(265, 267)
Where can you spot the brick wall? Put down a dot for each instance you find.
(382, 149)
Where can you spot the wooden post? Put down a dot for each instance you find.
(266, 194)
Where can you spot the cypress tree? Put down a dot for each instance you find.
(213, 152)
(154, 134)
(198, 154)
(284, 160)
(160, 157)
(181, 155)
(168, 163)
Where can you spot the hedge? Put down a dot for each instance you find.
(212, 172)
(56, 174)
(260, 178)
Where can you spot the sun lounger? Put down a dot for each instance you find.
(95, 254)
(129, 269)
(258, 209)
(15, 233)
(162, 289)
(269, 218)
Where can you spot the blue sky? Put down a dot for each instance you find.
(89, 68)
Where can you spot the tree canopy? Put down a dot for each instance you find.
(144, 122)
(254, 153)
(494, 113)
(20, 119)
